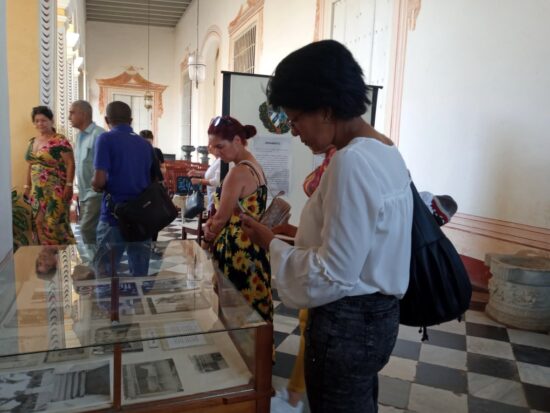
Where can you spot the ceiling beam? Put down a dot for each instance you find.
(138, 5)
(131, 18)
(145, 14)
(135, 22)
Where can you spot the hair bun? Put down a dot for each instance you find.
(250, 131)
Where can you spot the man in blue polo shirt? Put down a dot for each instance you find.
(123, 163)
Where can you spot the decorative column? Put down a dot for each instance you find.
(76, 76)
(70, 92)
(61, 74)
(47, 21)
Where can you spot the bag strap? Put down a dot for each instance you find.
(110, 204)
(253, 168)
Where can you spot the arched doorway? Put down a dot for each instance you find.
(210, 92)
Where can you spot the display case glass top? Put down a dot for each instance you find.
(77, 297)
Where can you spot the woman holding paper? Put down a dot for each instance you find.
(350, 262)
(244, 188)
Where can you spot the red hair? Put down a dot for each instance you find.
(227, 127)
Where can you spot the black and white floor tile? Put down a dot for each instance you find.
(475, 366)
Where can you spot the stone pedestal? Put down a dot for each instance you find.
(203, 151)
(519, 291)
(187, 149)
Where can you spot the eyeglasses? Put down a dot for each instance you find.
(291, 123)
(220, 119)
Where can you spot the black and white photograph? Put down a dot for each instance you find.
(101, 309)
(81, 381)
(168, 286)
(103, 291)
(38, 390)
(151, 379)
(207, 363)
(183, 334)
(24, 392)
(128, 334)
(189, 301)
(23, 402)
(67, 354)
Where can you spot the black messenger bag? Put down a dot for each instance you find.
(145, 215)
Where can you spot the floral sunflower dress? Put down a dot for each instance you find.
(50, 212)
(244, 263)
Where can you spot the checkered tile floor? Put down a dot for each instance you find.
(476, 366)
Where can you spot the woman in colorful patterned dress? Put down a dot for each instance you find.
(49, 181)
(244, 188)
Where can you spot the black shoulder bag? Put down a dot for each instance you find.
(194, 204)
(439, 287)
(145, 215)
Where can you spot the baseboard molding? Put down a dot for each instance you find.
(478, 272)
(522, 236)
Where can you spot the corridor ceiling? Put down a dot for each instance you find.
(164, 13)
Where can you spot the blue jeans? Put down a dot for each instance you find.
(347, 343)
(110, 248)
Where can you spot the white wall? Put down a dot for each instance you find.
(211, 13)
(6, 241)
(283, 32)
(364, 27)
(476, 113)
(287, 26)
(113, 47)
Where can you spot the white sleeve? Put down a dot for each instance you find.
(215, 180)
(351, 201)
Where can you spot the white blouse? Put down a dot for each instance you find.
(212, 175)
(354, 236)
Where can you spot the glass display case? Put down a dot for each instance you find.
(78, 332)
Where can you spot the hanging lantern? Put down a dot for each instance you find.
(197, 68)
(195, 64)
(148, 100)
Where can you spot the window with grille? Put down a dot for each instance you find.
(244, 51)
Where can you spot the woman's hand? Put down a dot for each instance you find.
(68, 194)
(195, 172)
(258, 233)
(285, 229)
(209, 235)
(196, 181)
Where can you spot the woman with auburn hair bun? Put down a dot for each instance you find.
(243, 190)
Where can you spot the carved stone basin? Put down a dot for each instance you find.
(529, 262)
(519, 290)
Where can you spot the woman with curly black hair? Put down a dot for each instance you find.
(350, 261)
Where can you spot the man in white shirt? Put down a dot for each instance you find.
(80, 115)
(210, 178)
